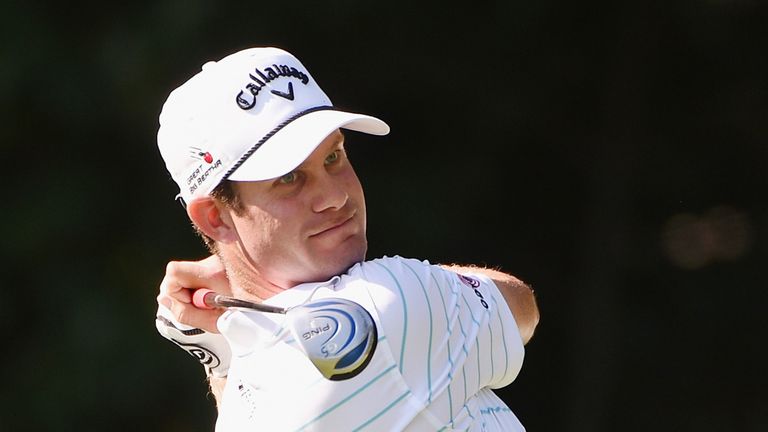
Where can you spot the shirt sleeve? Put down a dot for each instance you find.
(498, 344)
(448, 332)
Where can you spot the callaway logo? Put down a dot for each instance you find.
(246, 99)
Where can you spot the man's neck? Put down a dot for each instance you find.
(246, 281)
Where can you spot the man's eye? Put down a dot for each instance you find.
(333, 157)
(288, 178)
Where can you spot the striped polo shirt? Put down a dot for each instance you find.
(445, 341)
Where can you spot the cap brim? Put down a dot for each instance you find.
(292, 144)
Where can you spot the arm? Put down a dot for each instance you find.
(519, 297)
(217, 388)
(181, 279)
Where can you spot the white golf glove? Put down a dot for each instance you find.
(210, 349)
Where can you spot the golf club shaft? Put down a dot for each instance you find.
(207, 299)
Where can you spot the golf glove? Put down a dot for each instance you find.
(210, 349)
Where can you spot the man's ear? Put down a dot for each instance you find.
(212, 219)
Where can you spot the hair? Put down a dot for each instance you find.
(226, 194)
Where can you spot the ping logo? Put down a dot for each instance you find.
(474, 284)
(246, 99)
(316, 330)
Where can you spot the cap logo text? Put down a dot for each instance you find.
(246, 99)
(203, 171)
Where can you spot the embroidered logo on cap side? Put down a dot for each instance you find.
(246, 99)
(202, 172)
(198, 153)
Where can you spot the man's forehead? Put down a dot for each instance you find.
(337, 137)
(334, 140)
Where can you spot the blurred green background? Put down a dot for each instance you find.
(612, 154)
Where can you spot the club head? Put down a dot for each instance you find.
(337, 335)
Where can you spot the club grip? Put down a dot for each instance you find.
(204, 298)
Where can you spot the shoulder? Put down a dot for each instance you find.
(395, 262)
(396, 270)
(395, 279)
(384, 264)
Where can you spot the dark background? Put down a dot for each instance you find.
(612, 154)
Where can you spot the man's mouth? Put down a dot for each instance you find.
(334, 225)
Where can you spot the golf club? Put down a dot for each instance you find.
(337, 335)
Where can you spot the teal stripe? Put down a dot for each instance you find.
(463, 333)
(464, 367)
(464, 372)
(429, 350)
(503, 336)
(469, 412)
(346, 399)
(463, 347)
(461, 324)
(450, 355)
(474, 320)
(372, 419)
(477, 341)
(490, 332)
(405, 313)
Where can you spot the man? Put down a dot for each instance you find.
(258, 153)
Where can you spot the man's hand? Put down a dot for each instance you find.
(193, 329)
(181, 279)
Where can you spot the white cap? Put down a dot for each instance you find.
(253, 115)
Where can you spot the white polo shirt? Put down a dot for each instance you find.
(445, 341)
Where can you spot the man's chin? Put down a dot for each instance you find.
(338, 260)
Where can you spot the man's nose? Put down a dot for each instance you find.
(330, 193)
